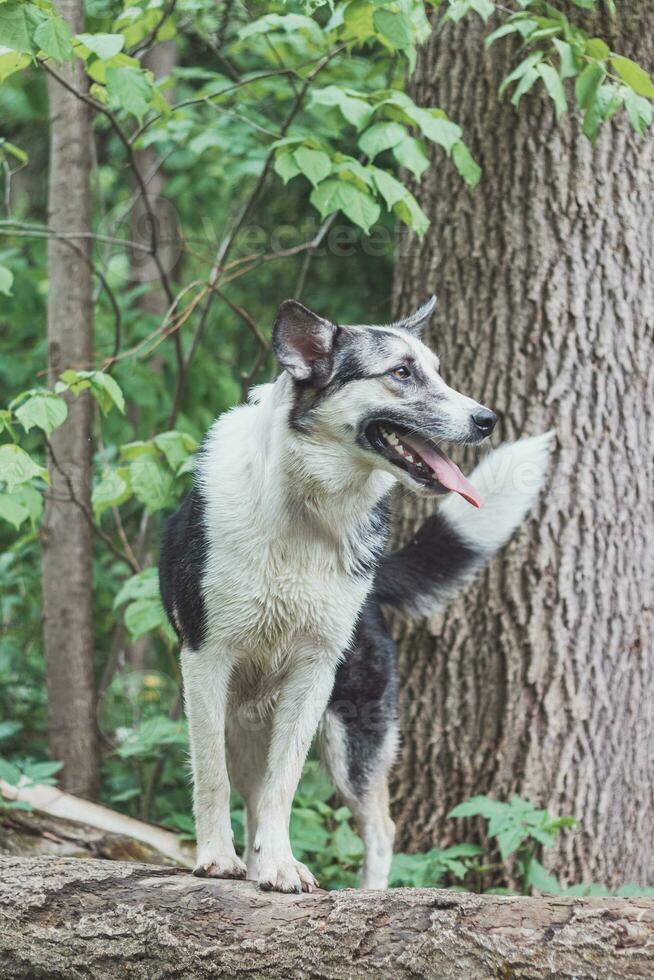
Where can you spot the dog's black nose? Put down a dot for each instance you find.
(484, 420)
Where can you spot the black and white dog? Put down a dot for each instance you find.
(273, 574)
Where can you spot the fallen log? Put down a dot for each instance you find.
(64, 918)
(63, 825)
(33, 834)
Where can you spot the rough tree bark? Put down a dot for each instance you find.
(67, 577)
(69, 919)
(541, 678)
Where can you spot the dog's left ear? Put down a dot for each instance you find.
(303, 343)
(416, 323)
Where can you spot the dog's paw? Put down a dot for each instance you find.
(286, 876)
(220, 866)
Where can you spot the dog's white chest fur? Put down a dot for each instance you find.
(286, 566)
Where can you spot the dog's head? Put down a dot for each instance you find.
(377, 391)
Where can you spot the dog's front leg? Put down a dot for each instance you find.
(206, 675)
(299, 709)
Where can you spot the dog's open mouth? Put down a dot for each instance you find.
(421, 459)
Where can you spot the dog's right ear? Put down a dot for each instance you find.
(303, 343)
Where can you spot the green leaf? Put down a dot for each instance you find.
(639, 111)
(510, 28)
(435, 127)
(17, 24)
(510, 840)
(358, 20)
(151, 735)
(308, 834)
(354, 110)
(132, 450)
(524, 85)
(17, 467)
(381, 136)
(597, 48)
(588, 83)
(176, 447)
(389, 187)
(106, 391)
(11, 61)
(6, 280)
(484, 8)
(288, 23)
(525, 65)
(347, 844)
(285, 166)
(314, 164)
(29, 498)
(9, 773)
(143, 585)
(54, 38)
(143, 616)
(338, 195)
(112, 490)
(568, 64)
(42, 772)
(585, 4)
(633, 75)
(151, 483)
(394, 26)
(411, 153)
(479, 806)
(315, 784)
(104, 388)
(45, 410)
(104, 46)
(466, 164)
(409, 211)
(348, 168)
(554, 86)
(129, 89)
(541, 879)
(12, 511)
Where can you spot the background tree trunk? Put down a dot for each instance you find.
(67, 573)
(540, 679)
(71, 918)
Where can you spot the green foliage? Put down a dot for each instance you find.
(429, 869)
(143, 611)
(23, 774)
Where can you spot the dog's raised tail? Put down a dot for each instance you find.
(457, 541)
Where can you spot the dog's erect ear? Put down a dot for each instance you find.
(303, 343)
(416, 323)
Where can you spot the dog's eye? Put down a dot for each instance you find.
(401, 373)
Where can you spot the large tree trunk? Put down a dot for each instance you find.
(67, 577)
(541, 678)
(69, 919)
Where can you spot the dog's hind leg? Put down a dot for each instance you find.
(359, 738)
(365, 793)
(206, 674)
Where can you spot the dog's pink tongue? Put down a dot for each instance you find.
(447, 473)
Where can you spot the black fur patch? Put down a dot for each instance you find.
(364, 697)
(353, 359)
(436, 556)
(181, 566)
